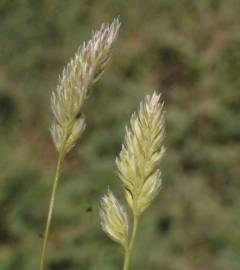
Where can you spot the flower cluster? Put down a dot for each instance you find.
(114, 219)
(138, 166)
(84, 69)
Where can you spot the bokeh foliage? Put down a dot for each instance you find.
(190, 51)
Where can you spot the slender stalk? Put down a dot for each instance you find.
(129, 250)
(51, 204)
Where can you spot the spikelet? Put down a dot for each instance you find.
(114, 219)
(138, 162)
(84, 69)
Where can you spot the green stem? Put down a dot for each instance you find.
(129, 249)
(51, 204)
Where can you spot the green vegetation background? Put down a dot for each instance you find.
(190, 51)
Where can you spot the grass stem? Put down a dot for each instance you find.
(129, 249)
(51, 205)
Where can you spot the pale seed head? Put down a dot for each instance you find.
(114, 219)
(85, 68)
(138, 161)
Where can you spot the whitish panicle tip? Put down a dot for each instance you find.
(155, 98)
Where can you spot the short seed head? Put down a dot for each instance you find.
(114, 219)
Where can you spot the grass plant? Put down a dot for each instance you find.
(67, 101)
(138, 169)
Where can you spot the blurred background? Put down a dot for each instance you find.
(190, 51)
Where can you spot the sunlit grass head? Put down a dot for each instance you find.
(138, 161)
(83, 70)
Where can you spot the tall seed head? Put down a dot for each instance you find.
(138, 162)
(114, 219)
(84, 69)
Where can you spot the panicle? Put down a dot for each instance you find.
(84, 69)
(138, 161)
(114, 219)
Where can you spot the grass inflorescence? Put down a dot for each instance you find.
(138, 169)
(67, 101)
